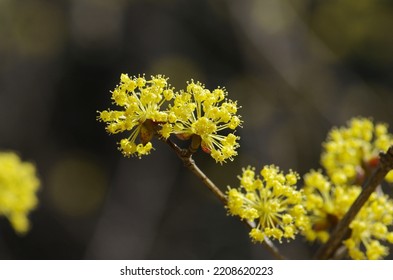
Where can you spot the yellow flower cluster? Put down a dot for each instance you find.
(18, 186)
(327, 203)
(199, 111)
(195, 111)
(370, 227)
(271, 201)
(351, 152)
(141, 100)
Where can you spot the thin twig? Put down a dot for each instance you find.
(186, 156)
(342, 229)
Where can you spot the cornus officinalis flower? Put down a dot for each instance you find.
(141, 102)
(199, 112)
(18, 187)
(272, 202)
(350, 153)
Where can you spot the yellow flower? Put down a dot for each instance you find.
(18, 186)
(199, 111)
(370, 227)
(271, 201)
(327, 203)
(350, 153)
(140, 100)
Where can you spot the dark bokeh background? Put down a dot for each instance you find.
(296, 67)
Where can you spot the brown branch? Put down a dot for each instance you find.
(186, 157)
(342, 229)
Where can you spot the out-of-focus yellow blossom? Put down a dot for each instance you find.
(271, 201)
(327, 203)
(141, 100)
(370, 227)
(351, 152)
(18, 187)
(199, 111)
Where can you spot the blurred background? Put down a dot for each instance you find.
(296, 67)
